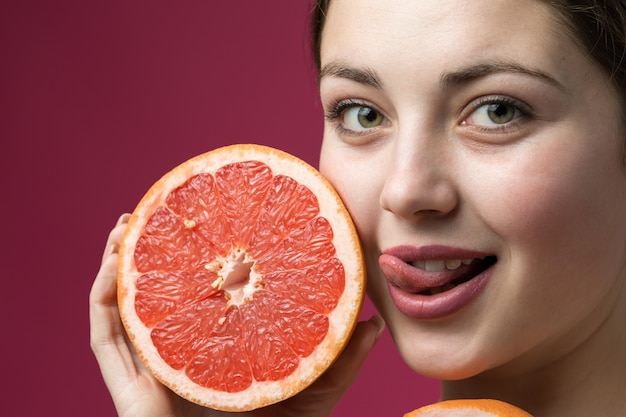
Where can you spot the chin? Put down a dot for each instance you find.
(446, 370)
(441, 358)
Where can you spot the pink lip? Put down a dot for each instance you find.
(406, 282)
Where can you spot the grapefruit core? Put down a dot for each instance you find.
(469, 408)
(240, 277)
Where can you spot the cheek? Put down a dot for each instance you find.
(359, 187)
(356, 182)
(563, 218)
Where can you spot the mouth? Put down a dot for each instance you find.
(435, 282)
(432, 270)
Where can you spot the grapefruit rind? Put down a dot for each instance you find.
(469, 408)
(342, 320)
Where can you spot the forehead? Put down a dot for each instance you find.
(410, 32)
(402, 18)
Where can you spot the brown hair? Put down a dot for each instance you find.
(318, 17)
(599, 26)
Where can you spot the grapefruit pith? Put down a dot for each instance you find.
(240, 277)
(469, 408)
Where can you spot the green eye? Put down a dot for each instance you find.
(496, 112)
(360, 118)
(369, 118)
(500, 113)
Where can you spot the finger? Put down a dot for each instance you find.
(103, 290)
(326, 392)
(345, 370)
(331, 386)
(115, 236)
(103, 312)
(107, 334)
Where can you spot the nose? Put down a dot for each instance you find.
(420, 180)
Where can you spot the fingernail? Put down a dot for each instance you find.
(123, 219)
(113, 248)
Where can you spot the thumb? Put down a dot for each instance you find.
(321, 397)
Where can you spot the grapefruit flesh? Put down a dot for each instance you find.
(469, 408)
(240, 277)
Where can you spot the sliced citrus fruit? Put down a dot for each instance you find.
(469, 408)
(240, 277)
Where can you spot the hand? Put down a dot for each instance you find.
(136, 393)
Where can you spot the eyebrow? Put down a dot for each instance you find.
(360, 75)
(369, 77)
(474, 72)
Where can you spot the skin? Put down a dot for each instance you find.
(544, 191)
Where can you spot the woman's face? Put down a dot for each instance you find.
(479, 153)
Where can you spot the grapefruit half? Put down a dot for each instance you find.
(469, 408)
(241, 277)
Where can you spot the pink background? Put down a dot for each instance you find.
(98, 100)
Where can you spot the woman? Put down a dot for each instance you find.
(494, 224)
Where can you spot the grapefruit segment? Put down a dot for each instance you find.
(299, 328)
(240, 277)
(221, 362)
(178, 339)
(304, 247)
(194, 202)
(288, 207)
(160, 294)
(318, 287)
(242, 187)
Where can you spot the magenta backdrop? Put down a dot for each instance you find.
(98, 99)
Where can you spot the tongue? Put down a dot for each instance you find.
(473, 269)
(417, 280)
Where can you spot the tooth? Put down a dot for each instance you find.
(466, 261)
(435, 266)
(453, 263)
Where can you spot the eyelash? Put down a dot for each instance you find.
(337, 109)
(523, 110)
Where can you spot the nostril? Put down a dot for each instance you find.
(415, 196)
